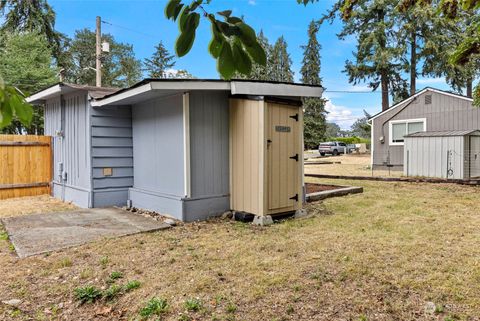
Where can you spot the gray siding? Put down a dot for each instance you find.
(209, 138)
(444, 113)
(158, 146)
(70, 114)
(112, 147)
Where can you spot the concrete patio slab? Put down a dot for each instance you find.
(41, 233)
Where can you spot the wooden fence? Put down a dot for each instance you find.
(25, 165)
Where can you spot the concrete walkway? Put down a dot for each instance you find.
(40, 233)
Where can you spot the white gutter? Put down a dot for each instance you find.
(44, 94)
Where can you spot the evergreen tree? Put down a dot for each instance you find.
(35, 16)
(26, 63)
(160, 62)
(378, 54)
(120, 68)
(281, 63)
(314, 119)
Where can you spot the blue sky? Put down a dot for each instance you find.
(143, 24)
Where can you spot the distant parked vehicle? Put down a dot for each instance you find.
(333, 148)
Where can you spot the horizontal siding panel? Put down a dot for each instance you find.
(112, 152)
(112, 182)
(111, 122)
(123, 112)
(112, 162)
(116, 172)
(111, 132)
(112, 142)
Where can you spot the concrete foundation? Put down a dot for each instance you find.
(262, 220)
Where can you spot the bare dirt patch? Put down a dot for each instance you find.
(314, 188)
(32, 205)
(380, 255)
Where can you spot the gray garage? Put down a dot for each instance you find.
(443, 154)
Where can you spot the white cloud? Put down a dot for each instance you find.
(340, 115)
(252, 2)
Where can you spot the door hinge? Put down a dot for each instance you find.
(295, 198)
(295, 157)
(295, 117)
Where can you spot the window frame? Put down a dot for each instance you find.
(406, 122)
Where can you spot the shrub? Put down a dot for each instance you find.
(114, 276)
(87, 294)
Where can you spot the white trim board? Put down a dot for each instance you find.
(415, 96)
(186, 145)
(44, 94)
(403, 121)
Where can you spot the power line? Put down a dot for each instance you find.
(130, 29)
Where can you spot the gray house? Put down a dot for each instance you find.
(429, 110)
(161, 145)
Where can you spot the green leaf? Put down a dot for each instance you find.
(178, 9)
(6, 113)
(234, 20)
(225, 13)
(225, 64)
(257, 53)
(185, 42)
(184, 16)
(170, 8)
(242, 61)
(215, 47)
(248, 35)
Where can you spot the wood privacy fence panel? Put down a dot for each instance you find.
(25, 165)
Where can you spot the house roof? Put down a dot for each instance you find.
(65, 88)
(151, 88)
(443, 92)
(445, 133)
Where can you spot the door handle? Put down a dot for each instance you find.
(294, 157)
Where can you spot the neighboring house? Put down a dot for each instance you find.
(165, 145)
(429, 110)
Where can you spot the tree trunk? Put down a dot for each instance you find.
(413, 64)
(469, 87)
(384, 82)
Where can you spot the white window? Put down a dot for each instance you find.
(399, 128)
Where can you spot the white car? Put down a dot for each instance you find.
(333, 148)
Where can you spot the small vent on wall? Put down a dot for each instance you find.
(428, 99)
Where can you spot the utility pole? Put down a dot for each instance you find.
(98, 52)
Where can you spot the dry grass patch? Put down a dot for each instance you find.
(32, 205)
(380, 255)
(351, 165)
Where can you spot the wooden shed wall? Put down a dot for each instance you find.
(247, 156)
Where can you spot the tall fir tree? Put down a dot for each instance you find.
(378, 53)
(281, 63)
(159, 63)
(315, 114)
